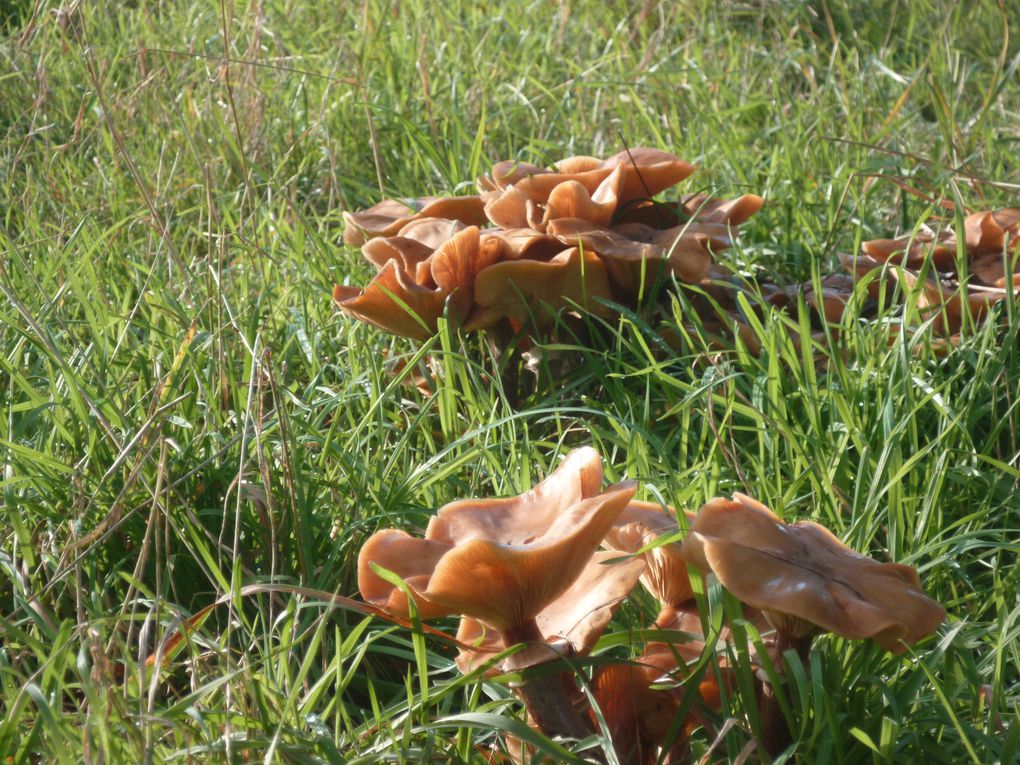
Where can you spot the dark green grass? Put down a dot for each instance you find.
(185, 415)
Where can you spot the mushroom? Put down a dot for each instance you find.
(632, 264)
(665, 576)
(638, 717)
(520, 290)
(733, 212)
(805, 581)
(570, 625)
(389, 216)
(502, 562)
(393, 302)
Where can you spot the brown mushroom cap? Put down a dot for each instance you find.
(638, 526)
(573, 622)
(389, 216)
(627, 260)
(393, 302)
(727, 211)
(987, 232)
(801, 575)
(520, 290)
(648, 171)
(410, 558)
(407, 252)
(521, 519)
(458, 261)
(506, 585)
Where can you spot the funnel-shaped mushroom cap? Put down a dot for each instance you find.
(512, 208)
(801, 575)
(986, 232)
(529, 243)
(433, 232)
(728, 211)
(389, 216)
(571, 624)
(861, 264)
(538, 188)
(407, 252)
(506, 586)
(410, 558)
(458, 261)
(638, 526)
(628, 261)
(507, 173)
(523, 289)
(648, 171)
(393, 302)
(521, 519)
(572, 200)
(831, 302)
(991, 269)
(911, 251)
(946, 301)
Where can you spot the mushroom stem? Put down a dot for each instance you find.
(776, 735)
(550, 698)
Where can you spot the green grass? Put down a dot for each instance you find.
(187, 419)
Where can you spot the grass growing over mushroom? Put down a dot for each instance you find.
(189, 422)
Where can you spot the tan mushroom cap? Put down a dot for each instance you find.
(407, 252)
(801, 576)
(945, 301)
(632, 264)
(726, 211)
(528, 243)
(512, 208)
(388, 217)
(665, 576)
(987, 232)
(571, 199)
(393, 302)
(410, 558)
(506, 586)
(521, 519)
(648, 171)
(911, 251)
(458, 261)
(572, 623)
(520, 290)
(432, 232)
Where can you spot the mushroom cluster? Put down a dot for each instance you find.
(930, 261)
(532, 587)
(536, 241)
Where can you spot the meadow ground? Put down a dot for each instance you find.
(189, 421)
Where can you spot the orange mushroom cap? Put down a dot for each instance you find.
(648, 171)
(386, 218)
(410, 558)
(665, 575)
(520, 290)
(502, 561)
(727, 211)
(507, 585)
(572, 622)
(802, 576)
(393, 302)
(521, 519)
